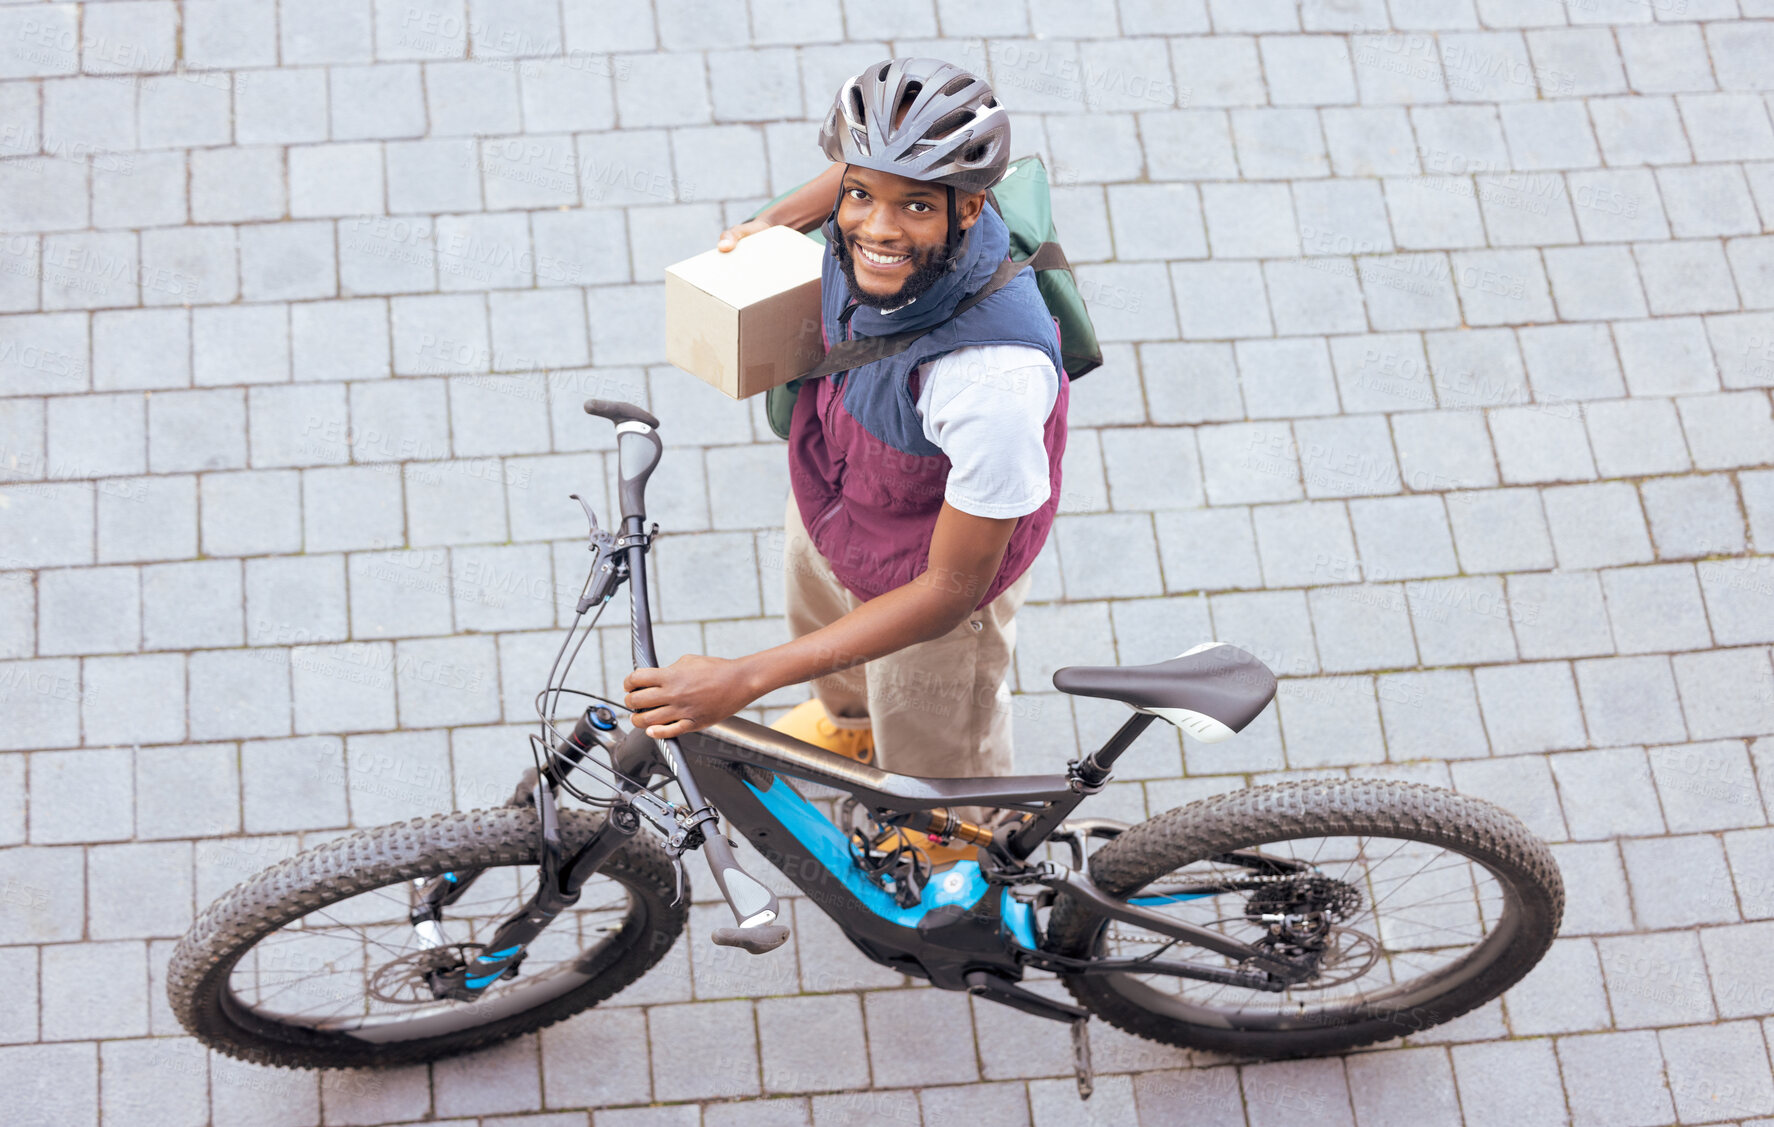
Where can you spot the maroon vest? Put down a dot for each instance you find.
(871, 509)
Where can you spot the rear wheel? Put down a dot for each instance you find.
(314, 963)
(1418, 905)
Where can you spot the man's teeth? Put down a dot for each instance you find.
(882, 260)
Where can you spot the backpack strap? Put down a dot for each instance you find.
(866, 350)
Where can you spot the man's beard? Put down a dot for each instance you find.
(927, 268)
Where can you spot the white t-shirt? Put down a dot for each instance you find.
(985, 407)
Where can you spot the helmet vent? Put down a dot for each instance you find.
(950, 123)
(956, 85)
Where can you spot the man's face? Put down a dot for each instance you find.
(895, 231)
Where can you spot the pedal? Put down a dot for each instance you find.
(1081, 1058)
(757, 940)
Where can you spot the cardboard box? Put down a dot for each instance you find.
(747, 319)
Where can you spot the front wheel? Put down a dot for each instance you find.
(1416, 905)
(315, 963)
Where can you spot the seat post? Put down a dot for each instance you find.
(1086, 776)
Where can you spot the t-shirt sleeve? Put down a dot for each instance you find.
(986, 407)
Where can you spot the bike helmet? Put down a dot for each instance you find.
(954, 132)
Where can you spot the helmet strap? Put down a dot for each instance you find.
(954, 229)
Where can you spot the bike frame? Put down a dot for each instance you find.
(974, 927)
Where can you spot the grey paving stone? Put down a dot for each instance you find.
(1562, 994)
(1408, 1086)
(1654, 609)
(1666, 60)
(192, 605)
(1725, 127)
(1758, 501)
(1596, 526)
(1305, 544)
(295, 600)
(1570, 362)
(1317, 295)
(1707, 786)
(133, 699)
(335, 180)
(1382, 372)
(197, 430)
(1599, 1091)
(96, 436)
(1208, 549)
(190, 791)
(1559, 615)
(1369, 141)
(1707, 200)
(1597, 900)
(1441, 450)
(1276, 144)
(1656, 979)
(142, 348)
(1664, 872)
(1514, 1082)
(187, 264)
(293, 784)
(1461, 621)
(1156, 221)
(617, 1039)
(1501, 286)
(1730, 957)
(239, 344)
(1751, 856)
(812, 1043)
(1753, 265)
(1403, 537)
(1639, 130)
(80, 795)
(1728, 430)
(160, 1078)
(147, 518)
(1541, 443)
(1329, 720)
(1434, 212)
(238, 693)
(1666, 356)
(997, 1103)
(384, 101)
(43, 703)
(727, 1066)
(1606, 793)
(1477, 368)
(93, 990)
(1221, 300)
(290, 425)
(1632, 437)
(1741, 343)
(18, 615)
(1686, 277)
(1723, 692)
(1222, 71)
(1362, 627)
(56, 1085)
(1594, 283)
(252, 513)
(65, 622)
(1430, 715)
(1523, 786)
(1718, 1071)
(119, 872)
(1696, 515)
(1738, 600)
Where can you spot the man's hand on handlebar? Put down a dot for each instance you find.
(731, 236)
(691, 694)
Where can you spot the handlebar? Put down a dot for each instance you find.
(638, 448)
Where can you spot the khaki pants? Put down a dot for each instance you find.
(939, 708)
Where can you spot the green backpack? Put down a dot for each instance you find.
(1021, 198)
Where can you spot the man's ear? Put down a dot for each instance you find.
(969, 205)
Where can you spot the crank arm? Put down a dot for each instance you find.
(1073, 883)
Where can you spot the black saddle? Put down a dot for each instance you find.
(1210, 692)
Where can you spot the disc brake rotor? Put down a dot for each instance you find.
(403, 981)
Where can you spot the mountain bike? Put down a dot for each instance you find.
(1274, 921)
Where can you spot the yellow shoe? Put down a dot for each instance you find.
(809, 723)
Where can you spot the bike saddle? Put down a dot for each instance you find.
(1210, 692)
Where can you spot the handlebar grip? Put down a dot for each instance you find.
(618, 411)
(757, 940)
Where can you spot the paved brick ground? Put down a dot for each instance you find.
(1439, 343)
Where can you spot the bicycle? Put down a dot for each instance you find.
(450, 933)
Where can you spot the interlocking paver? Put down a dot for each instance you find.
(1547, 351)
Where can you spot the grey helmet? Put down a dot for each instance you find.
(954, 133)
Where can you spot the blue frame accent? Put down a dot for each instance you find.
(1019, 920)
(1178, 898)
(827, 844)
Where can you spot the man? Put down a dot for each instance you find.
(924, 483)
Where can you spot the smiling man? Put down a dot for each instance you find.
(923, 483)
